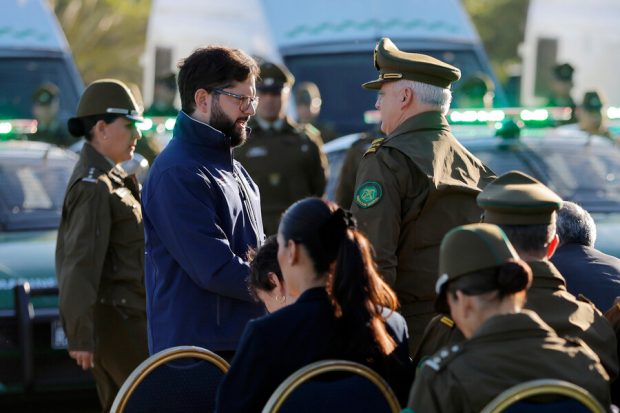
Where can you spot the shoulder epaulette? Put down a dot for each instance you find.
(443, 357)
(447, 321)
(374, 146)
(583, 298)
(91, 177)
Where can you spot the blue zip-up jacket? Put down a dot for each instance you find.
(201, 213)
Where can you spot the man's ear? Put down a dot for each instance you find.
(293, 252)
(406, 98)
(202, 100)
(553, 245)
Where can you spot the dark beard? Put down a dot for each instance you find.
(221, 122)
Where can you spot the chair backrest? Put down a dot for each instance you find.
(178, 379)
(333, 386)
(545, 396)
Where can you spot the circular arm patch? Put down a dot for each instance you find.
(368, 194)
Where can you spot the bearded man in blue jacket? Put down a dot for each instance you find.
(202, 210)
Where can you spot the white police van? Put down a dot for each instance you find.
(324, 41)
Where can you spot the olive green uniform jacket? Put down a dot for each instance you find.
(412, 188)
(100, 248)
(568, 315)
(348, 172)
(286, 164)
(506, 350)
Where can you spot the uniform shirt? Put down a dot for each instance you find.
(589, 272)
(100, 247)
(286, 164)
(568, 315)
(506, 350)
(275, 346)
(412, 188)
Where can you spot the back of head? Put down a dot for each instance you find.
(575, 225)
(354, 286)
(524, 208)
(263, 262)
(212, 67)
(479, 259)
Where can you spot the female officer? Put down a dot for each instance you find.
(100, 247)
(484, 283)
(344, 310)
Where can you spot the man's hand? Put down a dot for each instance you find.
(84, 359)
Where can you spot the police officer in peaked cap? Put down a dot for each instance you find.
(483, 285)
(526, 211)
(100, 246)
(285, 159)
(418, 182)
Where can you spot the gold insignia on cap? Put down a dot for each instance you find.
(391, 76)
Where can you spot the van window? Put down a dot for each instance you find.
(340, 76)
(20, 77)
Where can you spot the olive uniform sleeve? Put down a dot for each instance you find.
(317, 168)
(434, 391)
(85, 233)
(348, 172)
(384, 180)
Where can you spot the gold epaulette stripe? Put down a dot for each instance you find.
(447, 321)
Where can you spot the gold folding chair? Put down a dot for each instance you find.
(355, 388)
(183, 378)
(519, 398)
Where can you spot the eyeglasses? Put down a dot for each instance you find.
(244, 101)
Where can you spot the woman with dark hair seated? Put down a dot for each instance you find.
(483, 286)
(265, 282)
(344, 310)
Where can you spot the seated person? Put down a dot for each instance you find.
(265, 282)
(344, 310)
(483, 285)
(587, 270)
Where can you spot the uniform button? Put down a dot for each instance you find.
(455, 348)
(444, 353)
(103, 301)
(437, 360)
(123, 301)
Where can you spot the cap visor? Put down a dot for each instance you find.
(373, 85)
(136, 118)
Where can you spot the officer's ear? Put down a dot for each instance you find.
(406, 97)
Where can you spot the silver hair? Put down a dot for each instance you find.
(575, 225)
(431, 95)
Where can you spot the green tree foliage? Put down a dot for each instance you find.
(106, 36)
(501, 25)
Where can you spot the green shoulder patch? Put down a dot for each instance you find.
(368, 194)
(376, 143)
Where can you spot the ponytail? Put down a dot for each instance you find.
(356, 291)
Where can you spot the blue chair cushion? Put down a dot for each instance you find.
(179, 386)
(336, 392)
